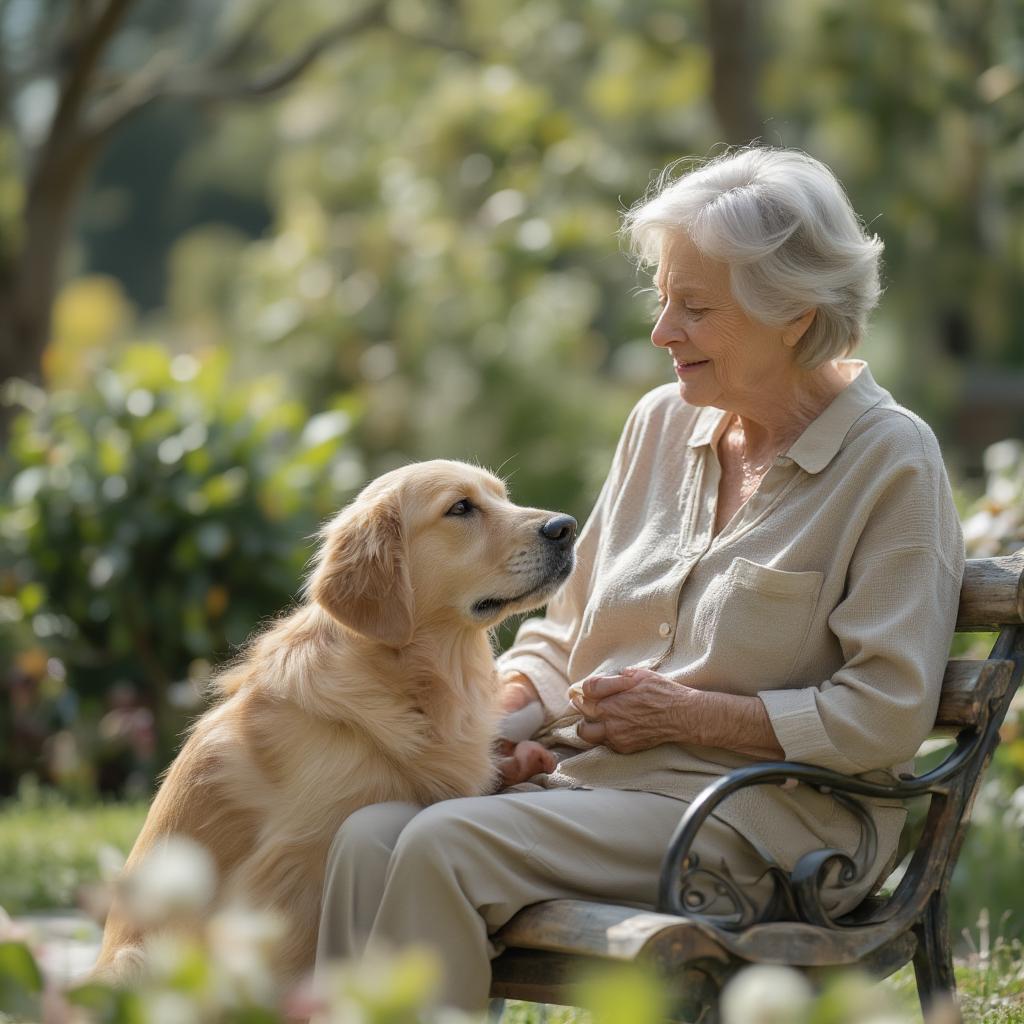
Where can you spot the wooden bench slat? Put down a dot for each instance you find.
(542, 977)
(967, 688)
(538, 976)
(605, 930)
(992, 594)
(608, 932)
(805, 945)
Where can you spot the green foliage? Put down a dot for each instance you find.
(21, 981)
(444, 196)
(152, 519)
(108, 1006)
(623, 994)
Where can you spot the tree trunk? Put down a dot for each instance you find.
(27, 290)
(734, 30)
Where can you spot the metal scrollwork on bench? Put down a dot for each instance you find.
(702, 888)
(798, 895)
(812, 870)
(692, 889)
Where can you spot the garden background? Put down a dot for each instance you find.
(253, 254)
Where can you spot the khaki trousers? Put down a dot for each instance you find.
(449, 874)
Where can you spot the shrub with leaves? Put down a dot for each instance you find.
(151, 520)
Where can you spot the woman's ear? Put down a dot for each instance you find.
(362, 574)
(797, 327)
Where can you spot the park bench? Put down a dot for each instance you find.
(549, 944)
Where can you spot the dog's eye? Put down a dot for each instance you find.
(460, 508)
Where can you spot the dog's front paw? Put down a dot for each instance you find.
(518, 762)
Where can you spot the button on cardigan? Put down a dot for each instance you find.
(831, 595)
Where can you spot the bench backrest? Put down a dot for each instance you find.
(992, 595)
(975, 698)
(991, 600)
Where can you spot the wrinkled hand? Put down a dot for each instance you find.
(634, 710)
(518, 762)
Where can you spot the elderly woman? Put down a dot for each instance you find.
(771, 571)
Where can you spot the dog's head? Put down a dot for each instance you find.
(437, 543)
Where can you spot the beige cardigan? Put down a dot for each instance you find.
(831, 595)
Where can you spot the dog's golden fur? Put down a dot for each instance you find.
(379, 686)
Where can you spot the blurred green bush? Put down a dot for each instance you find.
(148, 522)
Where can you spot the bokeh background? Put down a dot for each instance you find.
(254, 254)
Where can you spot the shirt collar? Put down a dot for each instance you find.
(823, 437)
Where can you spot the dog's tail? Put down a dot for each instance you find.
(122, 967)
(122, 958)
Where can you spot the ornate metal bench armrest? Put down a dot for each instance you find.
(688, 888)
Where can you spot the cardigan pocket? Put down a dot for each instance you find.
(752, 622)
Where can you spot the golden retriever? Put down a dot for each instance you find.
(381, 685)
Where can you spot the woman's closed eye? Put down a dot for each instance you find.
(695, 312)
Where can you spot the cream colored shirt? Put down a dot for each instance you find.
(831, 595)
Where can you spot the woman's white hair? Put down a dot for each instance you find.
(783, 224)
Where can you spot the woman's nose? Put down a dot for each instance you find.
(665, 330)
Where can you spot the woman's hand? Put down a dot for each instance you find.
(634, 710)
(638, 709)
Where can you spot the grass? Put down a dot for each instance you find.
(48, 848)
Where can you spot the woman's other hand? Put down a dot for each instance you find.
(638, 709)
(634, 710)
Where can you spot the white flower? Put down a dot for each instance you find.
(1002, 491)
(243, 943)
(170, 1008)
(167, 955)
(766, 994)
(176, 878)
(383, 982)
(1003, 456)
(978, 526)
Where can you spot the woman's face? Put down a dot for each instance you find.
(722, 357)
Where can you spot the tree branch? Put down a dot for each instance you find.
(85, 58)
(214, 87)
(158, 81)
(234, 47)
(437, 42)
(205, 84)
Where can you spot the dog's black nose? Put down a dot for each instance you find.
(560, 529)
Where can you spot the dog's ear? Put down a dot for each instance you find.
(362, 573)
